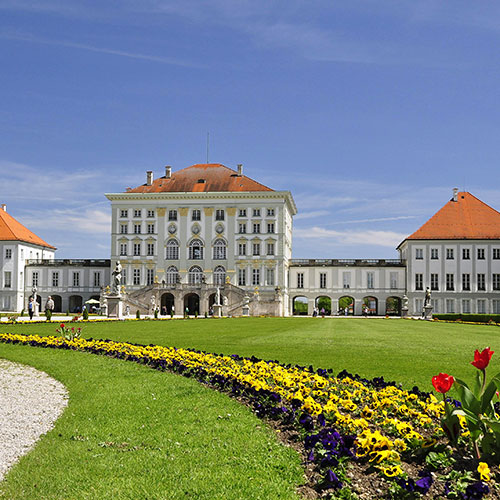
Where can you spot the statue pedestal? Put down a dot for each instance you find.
(404, 312)
(217, 311)
(36, 309)
(115, 306)
(427, 312)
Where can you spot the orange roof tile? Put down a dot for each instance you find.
(12, 230)
(203, 178)
(468, 218)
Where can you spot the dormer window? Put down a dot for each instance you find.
(201, 181)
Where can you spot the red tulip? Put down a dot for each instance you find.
(62, 325)
(482, 359)
(442, 382)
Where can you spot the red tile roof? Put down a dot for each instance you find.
(208, 177)
(12, 230)
(468, 218)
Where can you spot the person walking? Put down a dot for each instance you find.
(31, 307)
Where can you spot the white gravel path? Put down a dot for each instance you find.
(30, 403)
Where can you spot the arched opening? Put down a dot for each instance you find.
(172, 275)
(192, 303)
(196, 250)
(195, 275)
(211, 302)
(57, 303)
(219, 276)
(172, 250)
(167, 304)
(75, 304)
(220, 250)
(323, 305)
(346, 306)
(300, 306)
(393, 306)
(370, 306)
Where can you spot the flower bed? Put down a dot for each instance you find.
(369, 438)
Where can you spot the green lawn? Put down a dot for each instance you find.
(410, 352)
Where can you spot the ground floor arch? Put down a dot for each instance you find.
(370, 306)
(299, 305)
(57, 303)
(393, 306)
(192, 303)
(346, 305)
(167, 304)
(75, 303)
(323, 305)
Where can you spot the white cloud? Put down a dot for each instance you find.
(310, 215)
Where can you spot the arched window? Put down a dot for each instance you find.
(171, 275)
(195, 275)
(172, 250)
(196, 250)
(219, 275)
(219, 250)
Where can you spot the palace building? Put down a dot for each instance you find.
(207, 229)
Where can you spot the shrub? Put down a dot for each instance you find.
(138, 314)
(206, 314)
(22, 312)
(473, 318)
(156, 313)
(48, 314)
(85, 314)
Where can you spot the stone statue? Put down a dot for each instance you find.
(405, 302)
(117, 278)
(246, 300)
(228, 280)
(217, 297)
(34, 294)
(224, 300)
(427, 299)
(153, 303)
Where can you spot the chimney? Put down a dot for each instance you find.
(455, 194)
(240, 169)
(149, 178)
(168, 171)
(4, 207)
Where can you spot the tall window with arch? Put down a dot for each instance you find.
(219, 275)
(195, 275)
(196, 250)
(220, 250)
(172, 250)
(171, 275)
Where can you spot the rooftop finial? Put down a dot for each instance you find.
(455, 194)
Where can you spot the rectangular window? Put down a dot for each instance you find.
(8, 253)
(150, 276)
(256, 249)
(419, 281)
(137, 229)
(55, 278)
(496, 281)
(434, 253)
(322, 280)
(495, 304)
(242, 212)
(450, 285)
(151, 213)
(219, 215)
(196, 215)
(137, 249)
(466, 253)
(270, 228)
(76, 278)
(496, 253)
(151, 228)
(346, 279)
(97, 278)
(465, 306)
(270, 277)
(419, 253)
(123, 228)
(270, 249)
(124, 276)
(242, 277)
(7, 279)
(434, 281)
(123, 249)
(220, 252)
(256, 277)
(256, 212)
(270, 212)
(480, 254)
(466, 282)
(450, 255)
(137, 212)
(172, 252)
(450, 306)
(136, 277)
(195, 252)
(435, 305)
(242, 248)
(123, 213)
(481, 306)
(172, 215)
(393, 278)
(34, 278)
(370, 278)
(300, 280)
(256, 228)
(242, 228)
(419, 305)
(150, 249)
(481, 282)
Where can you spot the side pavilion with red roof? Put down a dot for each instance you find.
(456, 254)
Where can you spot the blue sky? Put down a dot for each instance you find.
(370, 112)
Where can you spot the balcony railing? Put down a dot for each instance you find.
(349, 262)
(69, 262)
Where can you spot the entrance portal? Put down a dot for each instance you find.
(167, 304)
(192, 303)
